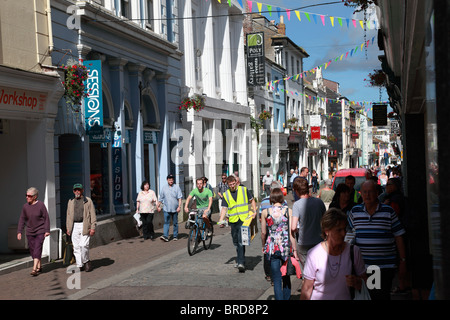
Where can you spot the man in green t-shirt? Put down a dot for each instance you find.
(204, 198)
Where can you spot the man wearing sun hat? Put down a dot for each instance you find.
(81, 221)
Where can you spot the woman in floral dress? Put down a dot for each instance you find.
(278, 242)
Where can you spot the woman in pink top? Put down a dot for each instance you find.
(146, 205)
(328, 268)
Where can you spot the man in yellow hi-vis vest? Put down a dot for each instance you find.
(235, 202)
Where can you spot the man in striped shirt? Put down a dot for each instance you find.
(379, 236)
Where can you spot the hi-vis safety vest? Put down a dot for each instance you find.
(237, 209)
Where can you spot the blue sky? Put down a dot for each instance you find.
(324, 43)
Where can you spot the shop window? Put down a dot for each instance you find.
(99, 177)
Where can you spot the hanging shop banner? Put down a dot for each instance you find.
(255, 59)
(379, 115)
(315, 133)
(93, 103)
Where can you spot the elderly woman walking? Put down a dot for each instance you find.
(328, 269)
(35, 216)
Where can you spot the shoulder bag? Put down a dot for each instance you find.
(362, 294)
(291, 267)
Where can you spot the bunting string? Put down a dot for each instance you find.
(325, 65)
(318, 19)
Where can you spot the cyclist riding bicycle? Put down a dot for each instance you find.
(204, 199)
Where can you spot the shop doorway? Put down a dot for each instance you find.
(70, 170)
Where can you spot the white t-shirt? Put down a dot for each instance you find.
(328, 272)
(267, 180)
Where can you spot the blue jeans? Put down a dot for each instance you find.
(237, 241)
(281, 285)
(167, 217)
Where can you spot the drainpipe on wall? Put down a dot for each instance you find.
(49, 26)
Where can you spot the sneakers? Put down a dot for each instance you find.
(163, 238)
(241, 268)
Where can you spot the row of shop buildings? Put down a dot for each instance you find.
(148, 57)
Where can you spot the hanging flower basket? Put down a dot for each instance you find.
(292, 120)
(360, 4)
(197, 103)
(265, 115)
(392, 115)
(74, 88)
(377, 78)
(331, 138)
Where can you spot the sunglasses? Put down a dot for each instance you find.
(30, 195)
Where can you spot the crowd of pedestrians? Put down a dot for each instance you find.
(312, 230)
(334, 266)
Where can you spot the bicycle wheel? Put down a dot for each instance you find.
(208, 239)
(192, 240)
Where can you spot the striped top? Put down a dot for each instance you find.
(375, 235)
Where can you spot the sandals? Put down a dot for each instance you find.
(35, 272)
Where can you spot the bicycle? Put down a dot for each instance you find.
(198, 231)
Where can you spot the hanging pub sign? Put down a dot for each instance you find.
(314, 122)
(93, 104)
(379, 115)
(255, 59)
(315, 133)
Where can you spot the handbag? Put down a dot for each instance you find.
(362, 294)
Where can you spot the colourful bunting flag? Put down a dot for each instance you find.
(307, 16)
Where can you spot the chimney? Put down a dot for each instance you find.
(282, 26)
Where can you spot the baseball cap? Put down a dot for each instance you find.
(170, 176)
(77, 186)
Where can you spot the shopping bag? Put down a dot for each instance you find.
(291, 267)
(137, 217)
(249, 229)
(68, 257)
(362, 294)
